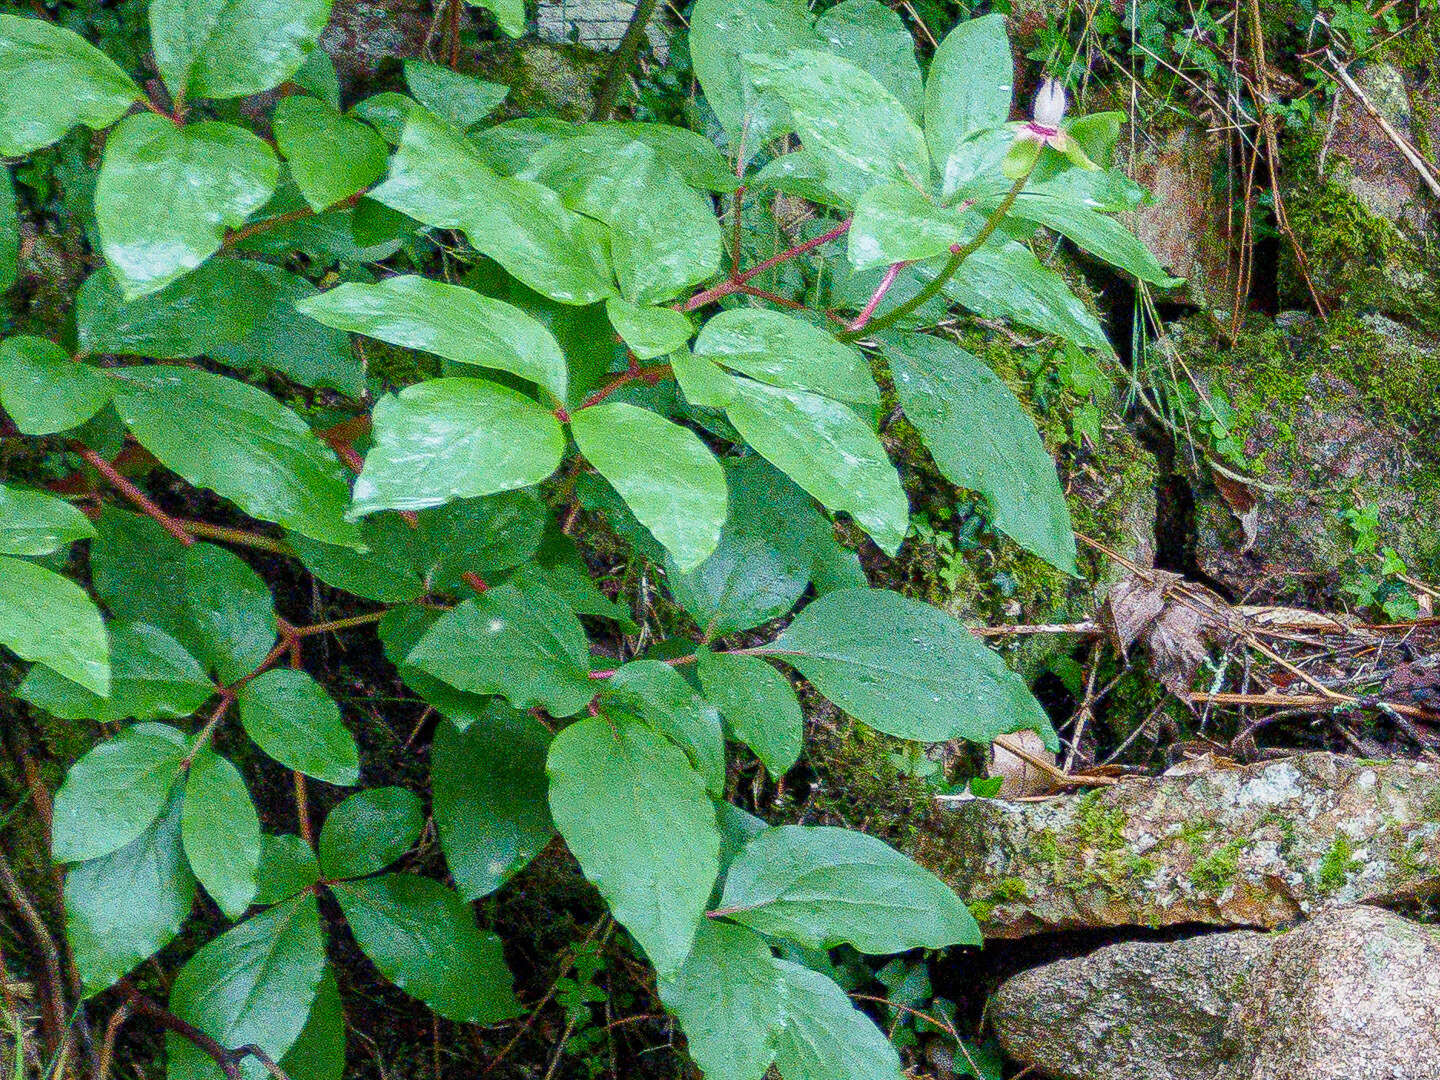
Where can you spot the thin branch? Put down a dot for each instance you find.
(228, 1060)
(733, 285)
(97, 462)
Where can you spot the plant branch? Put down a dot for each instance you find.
(97, 462)
(649, 375)
(289, 218)
(228, 1060)
(734, 284)
(874, 302)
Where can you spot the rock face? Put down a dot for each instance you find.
(1354, 993)
(1255, 846)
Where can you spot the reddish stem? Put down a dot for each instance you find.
(648, 375)
(739, 197)
(774, 298)
(733, 285)
(674, 661)
(880, 291)
(474, 580)
(133, 493)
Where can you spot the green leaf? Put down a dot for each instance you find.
(488, 536)
(759, 705)
(34, 523)
(703, 382)
(448, 320)
(527, 646)
(657, 695)
(123, 908)
(843, 114)
(648, 331)
(895, 223)
(254, 984)
(437, 177)
(166, 195)
(49, 619)
(369, 831)
(907, 669)
(44, 391)
(785, 351)
(386, 571)
(636, 816)
(319, 1051)
(665, 474)
(509, 14)
(823, 1036)
(729, 999)
(9, 231)
(422, 936)
(870, 35)
(489, 790)
(821, 887)
(152, 677)
(221, 833)
(317, 75)
(970, 83)
(1007, 281)
(721, 31)
(240, 442)
(287, 867)
(52, 79)
(331, 156)
(113, 793)
(294, 721)
(231, 48)
(201, 314)
(461, 99)
(828, 451)
(1101, 236)
(451, 439)
(230, 612)
(982, 439)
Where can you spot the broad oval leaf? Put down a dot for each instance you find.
(228, 611)
(45, 391)
(821, 887)
(331, 156)
(824, 1036)
(287, 867)
(241, 443)
(665, 474)
(658, 696)
(230, 48)
(895, 223)
(760, 706)
(982, 439)
(318, 1053)
(636, 816)
(166, 195)
(49, 619)
(970, 83)
(52, 79)
(369, 831)
(721, 31)
(294, 721)
(423, 938)
(34, 523)
(459, 98)
(648, 331)
(447, 320)
(871, 35)
(907, 669)
(785, 351)
(221, 833)
(452, 439)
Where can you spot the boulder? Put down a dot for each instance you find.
(1207, 842)
(1353, 993)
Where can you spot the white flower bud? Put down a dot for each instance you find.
(1049, 104)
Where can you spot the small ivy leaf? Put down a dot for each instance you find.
(221, 833)
(166, 195)
(821, 887)
(824, 1036)
(254, 984)
(369, 831)
(49, 619)
(115, 791)
(760, 706)
(665, 474)
(331, 156)
(423, 938)
(295, 721)
(231, 48)
(786, 351)
(124, 907)
(658, 696)
(52, 79)
(970, 83)
(907, 669)
(461, 99)
(287, 867)
(455, 438)
(34, 523)
(635, 814)
(44, 391)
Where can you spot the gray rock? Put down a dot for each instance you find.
(1354, 993)
(1254, 846)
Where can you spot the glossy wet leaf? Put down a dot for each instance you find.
(489, 797)
(448, 320)
(52, 79)
(221, 833)
(387, 571)
(486, 536)
(230, 48)
(821, 886)
(43, 391)
(648, 331)
(872, 36)
(787, 351)
(423, 938)
(907, 669)
(659, 696)
(969, 85)
(1007, 281)
(167, 194)
(49, 619)
(981, 439)
(665, 474)
(459, 98)
(109, 939)
(1101, 236)
(241, 443)
(824, 1036)
(331, 156)
(452, 439)
(34, 523)
(369, 831)
(759, 705)
(721, 31)
(295, 721)
(635, 814)
(228, 611)
(114, 792)
(828, 451)
(527, 646)
(895, 223)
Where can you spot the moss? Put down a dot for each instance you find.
(1337, 864)
(1215, 872)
